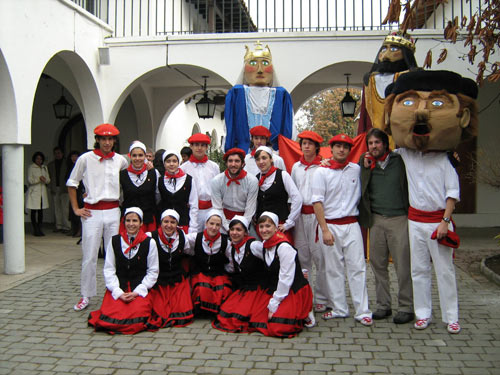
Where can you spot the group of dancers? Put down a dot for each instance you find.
(195, 259)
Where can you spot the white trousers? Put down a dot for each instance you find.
(346, 253)
(423, 249)
(309, 251)
(102, 224)
(61, 208)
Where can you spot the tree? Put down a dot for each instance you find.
(481, 33)
(323, 115)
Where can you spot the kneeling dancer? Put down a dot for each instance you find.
(130, 270)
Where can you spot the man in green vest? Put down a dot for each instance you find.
(384, 210)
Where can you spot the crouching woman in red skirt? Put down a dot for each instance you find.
(248, 278)
(130, 270)
(284, 314)
(171, 296)
(210, 284)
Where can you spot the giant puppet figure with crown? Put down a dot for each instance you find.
(256, 102)
(395, 57)
(429, 113)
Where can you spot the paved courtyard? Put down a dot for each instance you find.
(41, 334)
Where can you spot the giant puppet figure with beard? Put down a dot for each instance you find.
(256, 102)
(395, 57)
(429, 113)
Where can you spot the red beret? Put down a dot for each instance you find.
(261, 131)
(341, 138)
(234, 151)
(313, 136)
(450, 240)
(199, 138)
(106, 130)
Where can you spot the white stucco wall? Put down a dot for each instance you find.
(179, 126)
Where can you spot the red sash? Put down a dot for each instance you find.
(340, 221)
(102, 205)
(425, 216)
(307, 209)
(230, 214)
(204, 205)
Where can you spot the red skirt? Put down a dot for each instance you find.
(116, 316)
(172, 306)
(208, 292)
(288, 320)
(237, 312)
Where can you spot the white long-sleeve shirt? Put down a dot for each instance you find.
(251, 165)
(202, 174)
(339, 190)
(286, 254)
(294, 197)
(111, 280)
(239, 198)
(431, 179)
(303, 180)
(100, 178)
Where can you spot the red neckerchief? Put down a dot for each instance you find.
(204, 159)
(254, 150)
(236, 179)
(374, 160)
(131, 169)
(336, 165)
(167, 241)
(179, 174)
(276, 239)
(99, 153)
(269, 172)
(316, 161)
(237, 246)
(140, 236)
(209, 239)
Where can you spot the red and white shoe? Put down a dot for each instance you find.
(82, 304)
(310, 321)
(422, 323)
(366, 321)
(319, 307)
(454, 327)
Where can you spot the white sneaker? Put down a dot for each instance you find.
(82, 304)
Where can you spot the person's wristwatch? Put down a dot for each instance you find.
(447, 220)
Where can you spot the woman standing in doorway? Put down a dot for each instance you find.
(37, 199)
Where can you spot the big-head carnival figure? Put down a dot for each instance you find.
(256, 102)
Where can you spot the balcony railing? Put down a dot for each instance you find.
(168, 17)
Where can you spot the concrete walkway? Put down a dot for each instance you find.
(41, 334)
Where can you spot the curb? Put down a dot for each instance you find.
(486, 271)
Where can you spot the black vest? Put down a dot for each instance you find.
(178, 201)
(171, 270)
(130, 271)
(274, 199)
(142, 196)
(209, 264)
(273, 271)
(251, 272)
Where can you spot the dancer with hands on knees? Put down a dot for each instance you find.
(210, 284)
(130, 270)
(248, 279)
(171, 295)
(284, 313)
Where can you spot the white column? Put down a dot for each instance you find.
(13, 208)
